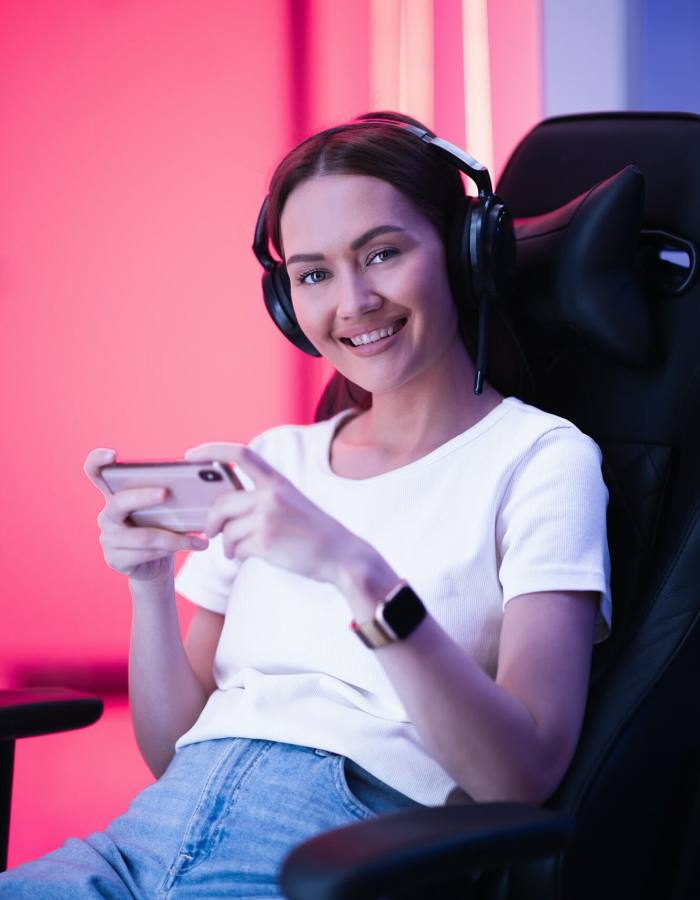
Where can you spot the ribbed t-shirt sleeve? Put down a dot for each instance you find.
(551, 526)
(206, 576)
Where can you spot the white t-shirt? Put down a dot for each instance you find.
(514, 504)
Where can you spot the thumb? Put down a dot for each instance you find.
(214, 450)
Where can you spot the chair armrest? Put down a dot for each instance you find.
(30, 712)
(420, 849)
(33, 711)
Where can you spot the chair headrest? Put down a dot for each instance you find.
(577, 270)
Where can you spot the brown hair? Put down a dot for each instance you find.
(434, 187)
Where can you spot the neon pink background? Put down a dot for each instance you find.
(138, 139)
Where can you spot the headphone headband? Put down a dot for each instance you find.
(466, 163)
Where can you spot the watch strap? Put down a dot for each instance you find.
(371, 633)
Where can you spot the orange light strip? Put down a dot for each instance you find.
(477, 82)
(385, 53)
(416, 78)
(401, 57)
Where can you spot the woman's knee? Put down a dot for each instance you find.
(73, 872)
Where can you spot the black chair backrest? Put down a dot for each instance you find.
(620, 357)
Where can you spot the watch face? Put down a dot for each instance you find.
(404, 612)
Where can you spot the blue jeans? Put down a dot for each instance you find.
(218, 823)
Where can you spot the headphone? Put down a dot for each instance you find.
(480, 248)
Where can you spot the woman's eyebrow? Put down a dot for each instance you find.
(356, 244)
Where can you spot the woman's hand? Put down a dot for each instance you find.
(276, 521)
(144, 554)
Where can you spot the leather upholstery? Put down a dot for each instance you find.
(635, 770)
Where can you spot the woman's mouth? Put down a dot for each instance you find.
(374, 341)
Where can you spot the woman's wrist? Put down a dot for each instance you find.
(145, 590)
(365, 578)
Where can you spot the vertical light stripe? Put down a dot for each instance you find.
(416, 78)
(477, 82)
(401, 54)
(585, 55)
(385, 53)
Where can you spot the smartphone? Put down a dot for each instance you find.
(192, 489)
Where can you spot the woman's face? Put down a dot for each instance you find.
(362, 259)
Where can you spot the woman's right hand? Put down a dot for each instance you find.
(141, 553)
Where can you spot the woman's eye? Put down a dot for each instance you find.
(318, 276)
(378, 255)
(301, 278)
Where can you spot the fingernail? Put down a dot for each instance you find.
(199, 543)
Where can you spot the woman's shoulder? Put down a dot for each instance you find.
(290, 432)
(536, 428)
(536, 422)
(543, 439)
(290, 445)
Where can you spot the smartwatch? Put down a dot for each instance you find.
(397, 616)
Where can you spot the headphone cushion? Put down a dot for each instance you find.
(459, 265)
(280, 305)
(283, 290)
(500, 246)
(278, 300)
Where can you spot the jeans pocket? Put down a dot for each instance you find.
(364, 794)
(349, 788)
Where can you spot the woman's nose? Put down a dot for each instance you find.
(356, 296)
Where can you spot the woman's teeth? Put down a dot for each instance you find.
(373, 336)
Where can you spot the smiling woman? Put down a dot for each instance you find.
(401, 609)
(369, 287)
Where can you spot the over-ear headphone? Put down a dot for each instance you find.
(480, 248)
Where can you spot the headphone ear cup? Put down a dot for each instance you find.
(459, 258)
(278, 301)
(479, 249)
(499, 248)
(492, 245)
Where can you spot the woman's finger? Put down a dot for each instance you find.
(237, 539)
(124, 560)
(233, 504)
(156, 539)
(94, 461)
(120, 505)
(259, 471)
(212, 450)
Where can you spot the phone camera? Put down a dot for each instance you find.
(210, 475)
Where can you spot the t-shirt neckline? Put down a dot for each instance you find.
(470, 434)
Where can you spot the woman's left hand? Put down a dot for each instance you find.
(276, 521)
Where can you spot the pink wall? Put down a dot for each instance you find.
(138, 138)
(135, 153)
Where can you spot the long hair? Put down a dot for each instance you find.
(435, 188)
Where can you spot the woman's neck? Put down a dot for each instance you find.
(422, 415)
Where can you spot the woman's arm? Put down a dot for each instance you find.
(168, 684)
(511, 739)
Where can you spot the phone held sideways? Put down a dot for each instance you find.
(192, 487)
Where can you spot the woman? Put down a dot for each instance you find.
(474, 522)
